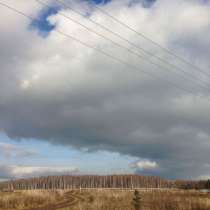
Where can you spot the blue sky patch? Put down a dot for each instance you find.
(145, 3)
(99, 1)
(48, 155)
(42, 24)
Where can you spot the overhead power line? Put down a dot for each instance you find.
(152, 41)
(101, 51)
(187, 74)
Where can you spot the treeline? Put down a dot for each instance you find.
(190, 184)
(77, 182)
(110, 181)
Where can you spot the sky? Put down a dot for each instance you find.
(68, 109)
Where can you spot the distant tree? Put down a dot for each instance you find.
(137, 200)
(207, 185)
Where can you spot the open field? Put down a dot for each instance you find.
(28, 199)
(104, 200)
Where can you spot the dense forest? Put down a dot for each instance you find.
(76, 182)
(110, 181)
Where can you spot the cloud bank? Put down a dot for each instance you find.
(17, 172)
(56, 90)
(10, 150)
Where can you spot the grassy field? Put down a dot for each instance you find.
(104, 200)
(28, 199)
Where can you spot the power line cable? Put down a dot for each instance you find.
(152, 41)
(134, 45)
(186, 74)
(102, 52)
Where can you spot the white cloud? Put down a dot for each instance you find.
(11, 150)
(145, 165)
(25, 84)
(203, 177)
(18, 171)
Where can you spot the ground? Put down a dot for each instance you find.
(104, 199)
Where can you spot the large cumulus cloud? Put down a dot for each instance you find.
(54, 89)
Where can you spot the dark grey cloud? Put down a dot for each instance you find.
(56, 90)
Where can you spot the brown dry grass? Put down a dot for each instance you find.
(28, 199)
(108, 200)
(151, 200)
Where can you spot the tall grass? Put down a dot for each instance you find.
(28, 199)
(107, 200)
(156, 200)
